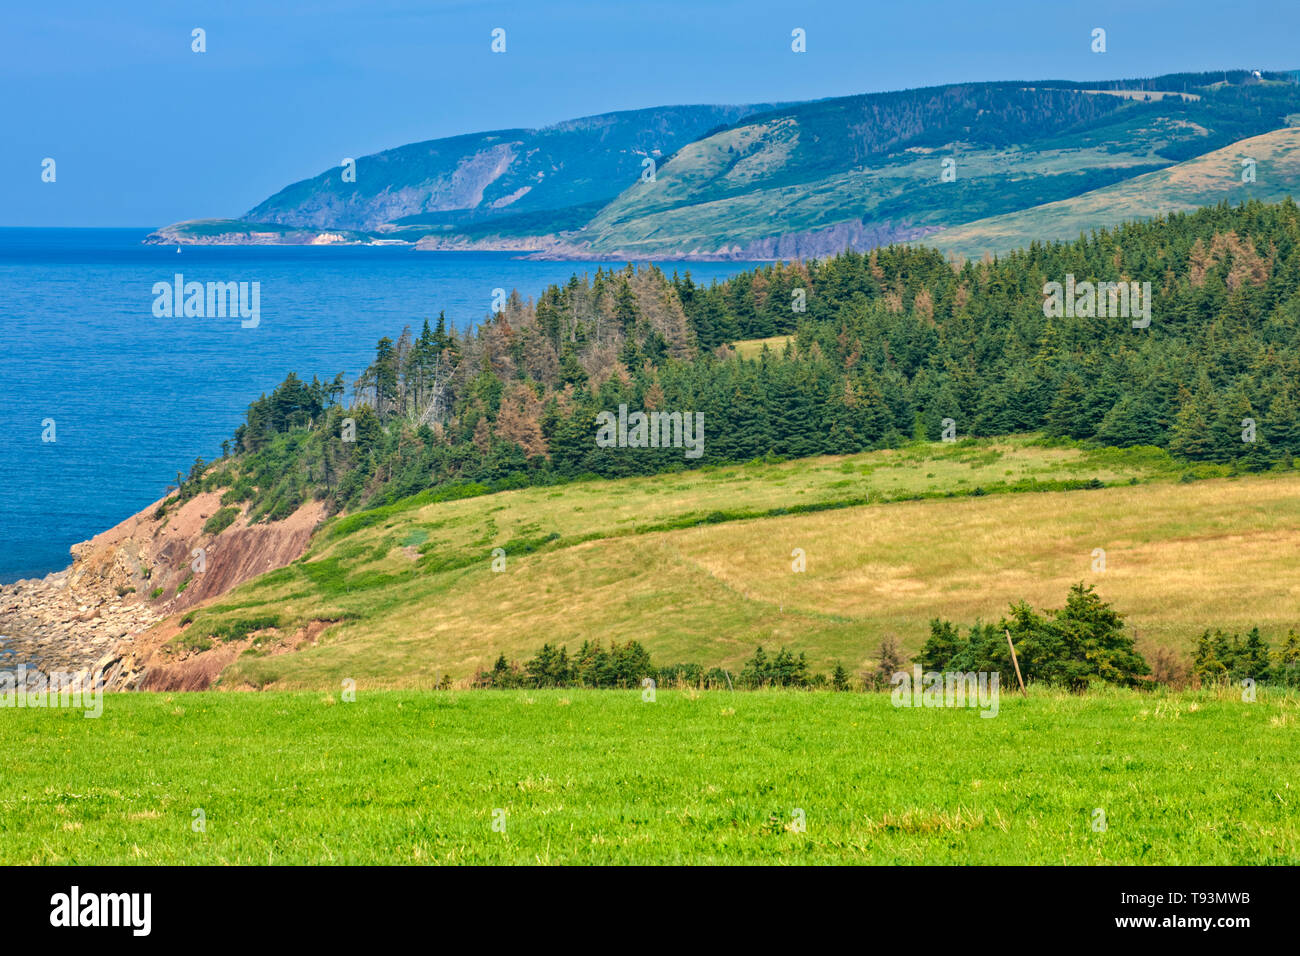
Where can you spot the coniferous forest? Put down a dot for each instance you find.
(876, 349)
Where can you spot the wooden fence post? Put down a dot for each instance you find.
(1015, 662)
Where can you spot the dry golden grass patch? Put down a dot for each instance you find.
(1178, 557)
(750, 348)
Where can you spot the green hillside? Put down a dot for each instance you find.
(875, 158)
(1205, 180)
(875, 161)
(698, 566)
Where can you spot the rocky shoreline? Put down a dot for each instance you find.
(113, 611)
(67, 622)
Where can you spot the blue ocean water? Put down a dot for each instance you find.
(135, 399)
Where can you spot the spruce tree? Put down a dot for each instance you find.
(940, 647)
(1206, 667)
(1253, 661)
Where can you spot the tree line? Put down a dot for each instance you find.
(1083, 644)
(889, 346)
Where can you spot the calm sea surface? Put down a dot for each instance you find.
(135, 398)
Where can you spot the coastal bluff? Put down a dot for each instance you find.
(113, 610)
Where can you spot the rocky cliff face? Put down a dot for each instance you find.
(110, 611)
(856, 234)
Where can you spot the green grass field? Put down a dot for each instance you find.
(603, 777)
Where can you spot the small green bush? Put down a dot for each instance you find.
(222, 520)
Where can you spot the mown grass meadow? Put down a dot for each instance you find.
(605, 777)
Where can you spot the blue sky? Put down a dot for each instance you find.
(146, 132)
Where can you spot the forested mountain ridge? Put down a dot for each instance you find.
(793, 181)
(889, 344)
(909, 163)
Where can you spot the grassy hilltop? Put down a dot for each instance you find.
(697, 566)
